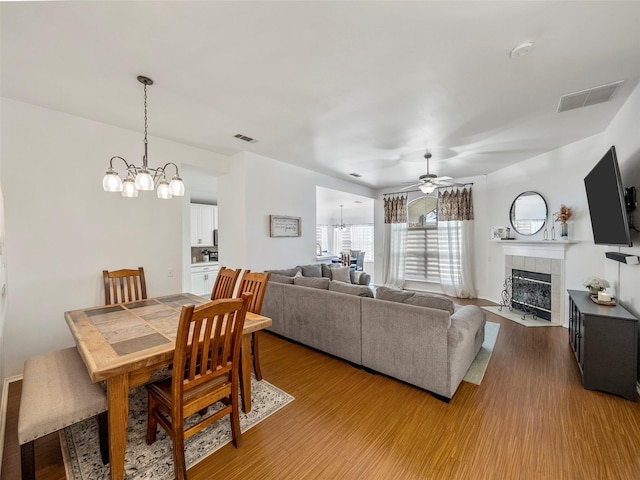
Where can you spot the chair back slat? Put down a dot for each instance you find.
(255, 283)
(225, 283)
(125, 285)
(208, 341)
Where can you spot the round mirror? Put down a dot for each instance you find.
(528, 213)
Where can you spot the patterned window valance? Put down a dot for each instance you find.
(395, 208)
(455, 205)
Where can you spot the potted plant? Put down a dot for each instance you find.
(595, 284)
(562, 216)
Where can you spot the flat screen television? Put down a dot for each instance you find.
(605, 196)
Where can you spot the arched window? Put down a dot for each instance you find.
(422, 240)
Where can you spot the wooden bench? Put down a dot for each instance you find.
(57, 392)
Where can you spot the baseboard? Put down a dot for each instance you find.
(3, 412)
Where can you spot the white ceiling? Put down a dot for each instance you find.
(336, 87)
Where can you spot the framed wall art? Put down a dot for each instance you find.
(283, 226)
(498, 233)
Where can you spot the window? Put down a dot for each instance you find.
(322, 238)
(353, 237)
(362, 239)
(422, 240)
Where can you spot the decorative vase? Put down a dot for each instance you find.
(594, 291)
(564, 231)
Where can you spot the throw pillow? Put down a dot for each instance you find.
(432, 301)
(393, 294)
(280, 278)
(289, 272)
(311, 270)
(321, 283)
(298, 274)
(360, 290)
(341, 274)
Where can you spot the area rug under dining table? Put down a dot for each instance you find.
(81, 452)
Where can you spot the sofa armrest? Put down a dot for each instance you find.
(406, 342)
(465, 338)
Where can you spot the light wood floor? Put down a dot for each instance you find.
(530, 419)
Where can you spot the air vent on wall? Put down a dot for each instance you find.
(592, 96)
(245, 138)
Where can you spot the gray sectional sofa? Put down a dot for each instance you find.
(422, 339)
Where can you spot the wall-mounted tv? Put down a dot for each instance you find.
(605, 195)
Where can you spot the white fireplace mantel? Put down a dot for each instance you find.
(535, 248)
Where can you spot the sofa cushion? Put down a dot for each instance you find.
(289, 272)
(360, 290)
(363, 279)
(355, 275)
(393, 294)
(432, 301)
(341, 274)
(311, 270)
(280, 278)
(326, 270)
(322, 283)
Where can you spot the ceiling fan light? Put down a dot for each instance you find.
(427, 187)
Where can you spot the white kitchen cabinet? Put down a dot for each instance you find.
(203, 277)
(203, 222)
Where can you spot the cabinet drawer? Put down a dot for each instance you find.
(205, 269)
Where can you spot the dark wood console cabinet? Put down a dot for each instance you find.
(605, 342)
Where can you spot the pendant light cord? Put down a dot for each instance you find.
(144, 160)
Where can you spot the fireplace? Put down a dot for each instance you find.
(540, 257)
(531, 293)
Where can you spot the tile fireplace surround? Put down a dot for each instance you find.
(540, 257)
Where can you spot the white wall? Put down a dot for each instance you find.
(63, 230)
(261, 187)
(559, 177)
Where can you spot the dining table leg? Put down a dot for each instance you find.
(245, 372)
(118, 410)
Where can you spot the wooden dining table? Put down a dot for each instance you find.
(124, 344)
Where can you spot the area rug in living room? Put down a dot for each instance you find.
(475, 374)
(81, 452)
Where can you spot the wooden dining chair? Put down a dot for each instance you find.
(255, 283)
(125, 285)
(208, 352)
(225, 283)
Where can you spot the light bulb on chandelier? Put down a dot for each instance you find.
(143, 178)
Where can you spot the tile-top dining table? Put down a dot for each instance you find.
(123, 344)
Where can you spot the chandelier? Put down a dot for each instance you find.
(342, 227)
(144, 177)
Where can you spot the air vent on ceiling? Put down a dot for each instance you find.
(592, 96)
(355, 175)
(245, 138)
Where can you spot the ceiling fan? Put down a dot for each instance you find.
(430, 181)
